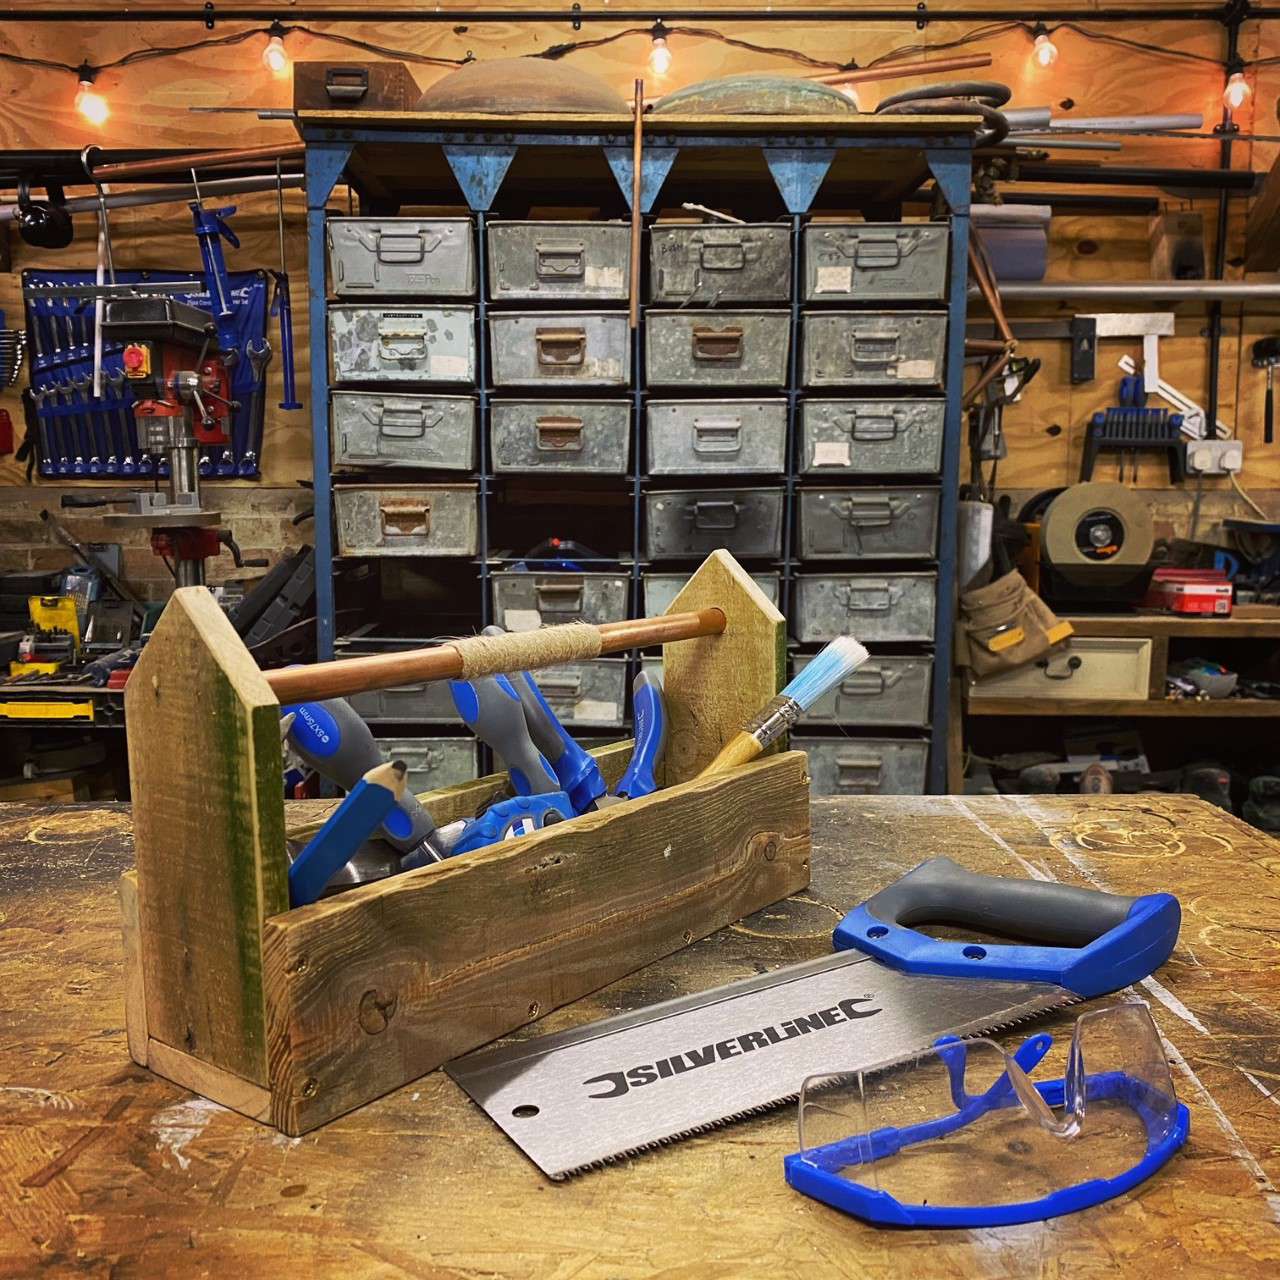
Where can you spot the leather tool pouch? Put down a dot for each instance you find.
(1004, 625)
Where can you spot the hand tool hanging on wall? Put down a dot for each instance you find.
(1131, 428)
(282, 307)
(1266, 355)
(211, 228)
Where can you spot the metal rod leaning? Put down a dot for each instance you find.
(197, 160)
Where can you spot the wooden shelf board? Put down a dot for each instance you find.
(1220, 709)
(1165, 624)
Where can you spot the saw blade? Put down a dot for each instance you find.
(582, 1098)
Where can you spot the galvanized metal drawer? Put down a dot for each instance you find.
(700, 437)
(569, 261)
(866, 524)
(382, 429)
(687, 522)
(419, 703)
(872, 607)
(865, 766)
(885, 691)
(533, 348)
(714, 264)
(434, 762)
(406, 520)
(403, 344)
(1116, 668)
(526, 601)
(586, 693)
(717, 348)
(660, 589)
(871, 437)
(874, 348)
(386, 257)
(560, 435)
(875, 262)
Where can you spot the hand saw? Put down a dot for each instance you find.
(591, 1095)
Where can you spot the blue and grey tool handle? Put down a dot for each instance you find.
(338, 745)
(1084, 940)
(650, 715)
(492, 710)
(508, 819)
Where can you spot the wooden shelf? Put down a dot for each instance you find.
(1220, 709)
(1140, 625)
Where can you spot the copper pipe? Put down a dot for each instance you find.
(197, 160)
(637, 214)
(906, 70)
(443, 662)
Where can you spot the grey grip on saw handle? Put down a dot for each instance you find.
(941, 892)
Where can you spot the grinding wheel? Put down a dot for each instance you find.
(1097, 532)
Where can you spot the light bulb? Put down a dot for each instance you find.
(275, 57)
(660, 56)
(1237, 92)
(91, 104)
(1044, 51)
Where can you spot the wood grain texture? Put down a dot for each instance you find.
(222, 1087)
(205, 774)
(377, 986)
(135, 996)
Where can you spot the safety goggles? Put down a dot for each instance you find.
(961, 1136)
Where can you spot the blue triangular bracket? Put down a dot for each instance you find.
(325, 163)
(953, 172)
(479, 171)
(654, 167)
(798, 173)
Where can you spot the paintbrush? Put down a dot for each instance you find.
(780, 714)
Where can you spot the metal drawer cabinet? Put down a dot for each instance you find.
(714, 264)
(874, 348)
(586, 693)
(406, 520)
(526, 601)
(693, 522)
(421, 703)
(865, 766)
(585, 436)
(872, 607)
(434, 762)
(533, 348)
(560, 261)
(875, 262)
(884, 691)
(863, 524)
(381, 429)
(660, 589)
(871, 437)
(700, 437)
(403, 344)
(385, 257)
(717, 348)
(1115, 668)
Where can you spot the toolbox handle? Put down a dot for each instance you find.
(717, 344)
(870, 427)
(1072, 664)
(346, 84)
(561, 348)
(723, 254)
(876, 253)
(873, 511)
(559, 434)
(862, 774)
(714, 514)
(566, 261)
(406, 247)
(717, 435)
(873, 348)
(403, 419)
(880, 596)
(559, 597)
(395, 342)
(405, 518)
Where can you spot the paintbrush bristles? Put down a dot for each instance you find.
(841, 657)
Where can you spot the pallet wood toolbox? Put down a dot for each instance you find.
(294, 1017)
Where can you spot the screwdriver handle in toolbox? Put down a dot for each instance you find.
(491, 709)
(650, 715)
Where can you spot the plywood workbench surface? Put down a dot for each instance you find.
(107, 1170)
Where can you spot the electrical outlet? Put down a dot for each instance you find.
(1214, 457)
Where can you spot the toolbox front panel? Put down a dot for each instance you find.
(561, 261)
(1110, 667)
(584, 436)
(867, 524)
(717, 348)
(874, 348)
(883, 692)
(541, 348)
(660, 589)
(526, 601)
(874, 607)
(714, 264)
(875, 262)
(405, 520)
(865, 766)
(383, 257)
(871, 437)
(700, 437)
(384, 429)
(747, 522)
(434, 762)
(402, 344)
(586, 693)
(419, 703)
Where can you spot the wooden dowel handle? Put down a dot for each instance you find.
(346, 676)
(197, 160)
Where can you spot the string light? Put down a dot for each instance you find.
(1237, 92)
(660, 53)
(89, 102)
(275, 57)
(1043, 50)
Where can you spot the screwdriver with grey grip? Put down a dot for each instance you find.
(492, 710)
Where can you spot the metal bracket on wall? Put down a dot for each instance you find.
(655, 164)
(798, 174)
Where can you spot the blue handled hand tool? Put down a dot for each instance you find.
(511, 818)
(650, 714)
(491, 709)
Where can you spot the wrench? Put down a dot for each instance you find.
(118, 428)
(44, 433)
(83, 385)
(71, 430)
(259, 359)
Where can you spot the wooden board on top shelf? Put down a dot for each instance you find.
(1124, 708)
(1237, 627)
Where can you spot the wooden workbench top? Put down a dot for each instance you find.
(107, 1170)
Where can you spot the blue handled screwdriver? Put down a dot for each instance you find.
(491, 708)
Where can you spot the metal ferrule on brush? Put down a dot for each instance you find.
(778, 716)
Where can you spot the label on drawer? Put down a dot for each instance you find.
(594, 709)
(603, 277)
(521, 619)
(831, 453)
(451, 366)
(917, 368)
(833, 280)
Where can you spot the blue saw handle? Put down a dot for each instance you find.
(1081, 939)
(508, 819)
(651, 736)
(492, 710)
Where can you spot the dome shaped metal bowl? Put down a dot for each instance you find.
(756, 95)
(502, 85)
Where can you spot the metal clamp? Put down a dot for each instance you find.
(406, 519)
(717, 344)
(561, 347)
(555, 435)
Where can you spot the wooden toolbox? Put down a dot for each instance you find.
(296, 1016)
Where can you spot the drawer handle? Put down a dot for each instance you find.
(559, 261)
(869, 597)
(874, 513)
(723, 255)
(405, 247)
(876, 349)
(1073, 664)
(876, 254)
(561, 347)
(714, 515)
(396, 342)
(405, 421)
(560, 691)
(559, 597)
(873, 426)
(859, 773)
(406, 519)
(346, 84)
(559, 434)
(717, 435)
(717, 344)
